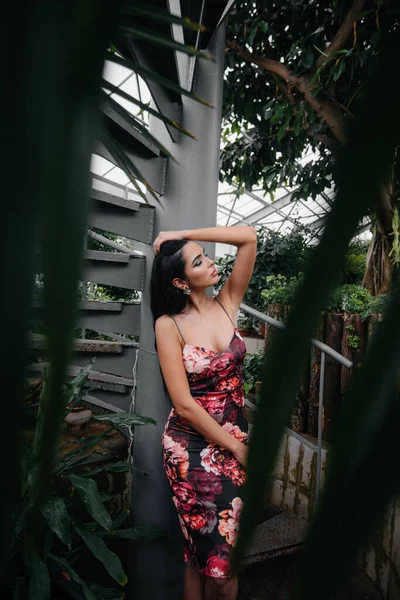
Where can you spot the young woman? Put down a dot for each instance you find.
(201, 357)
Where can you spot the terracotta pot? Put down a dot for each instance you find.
(243, 332)
(262, 329)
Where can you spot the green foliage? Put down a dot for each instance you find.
(59, 534)
(107, 293)
(353, 340)
(355, 262)
(277, 254)
(280, 289)
(268, 120)
(356, 300)
(349, 298)
(252, 370)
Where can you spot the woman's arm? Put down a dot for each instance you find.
(245, 238)
(170, 357)
(234, 236)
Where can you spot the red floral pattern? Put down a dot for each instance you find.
(206, 479)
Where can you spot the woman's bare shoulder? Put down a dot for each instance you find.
(164, 324)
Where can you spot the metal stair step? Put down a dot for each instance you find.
(281, 535)
(112, 317)
(142, 145)
(153, 168)
(119, 257)
(105, 317)
(115, 358)
(91, 401)
(102, 381)
(114, 268)
(38, 342)
(114, 200)
(101, 305)
(116, 209)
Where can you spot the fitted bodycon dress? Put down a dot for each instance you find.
(207, 480)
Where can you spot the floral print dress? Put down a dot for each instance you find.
(206, 479)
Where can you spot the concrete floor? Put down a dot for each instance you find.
(268, 580)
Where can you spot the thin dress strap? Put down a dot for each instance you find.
(225, 311)
(178, 328)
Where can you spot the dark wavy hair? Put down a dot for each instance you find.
(165, 298)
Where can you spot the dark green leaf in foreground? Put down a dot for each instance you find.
(345, 519)
(89, 494)
(141, 532)
(56, 515)
(99, 549)
(89, 595)
(106, 593)
(39, 585)
(125, 418)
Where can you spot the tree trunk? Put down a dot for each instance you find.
(315, 371)
(379, 267)
(332, 394)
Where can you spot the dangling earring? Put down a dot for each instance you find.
(187, 291)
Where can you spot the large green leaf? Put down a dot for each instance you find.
(89, 595)
(116, 467)
(147, 34)
(141, 532)
(125, 418)
(136, 124)
(99, 549)
(120, 519)
(152, 13)
(152, 76)
(75, 387)
(39, 585)
(106, 593)
(146, 107)
(125, 163)
(66, 105)
(56, 515)
(365, 445)
(89, 494)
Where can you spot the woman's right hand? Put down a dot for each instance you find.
(166, 236)
(240, 453)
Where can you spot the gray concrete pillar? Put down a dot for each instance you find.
(190, 202)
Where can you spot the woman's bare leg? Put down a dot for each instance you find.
(221, 589)
(193, 588)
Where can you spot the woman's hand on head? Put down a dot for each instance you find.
(166, 236)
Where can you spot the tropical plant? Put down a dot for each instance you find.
(58, 87)
(252, 370)
(279, 289)
(277, 254)
(295, 80)
(74, 520)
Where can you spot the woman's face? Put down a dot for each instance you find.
(199, 269)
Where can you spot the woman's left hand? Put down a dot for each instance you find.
(166, 236)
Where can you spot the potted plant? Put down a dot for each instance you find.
(253, 364)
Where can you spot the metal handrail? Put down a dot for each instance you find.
(325, 350)
(279, 325)
(111, 244)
